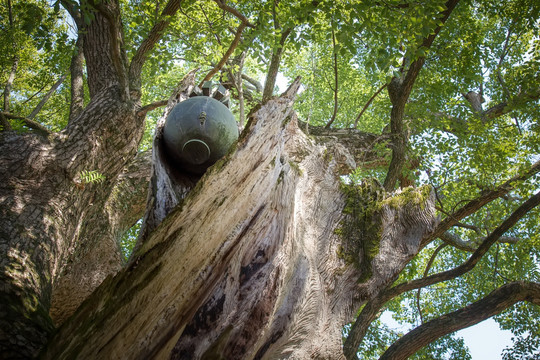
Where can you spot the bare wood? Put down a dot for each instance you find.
(263, 281)
(493, 304)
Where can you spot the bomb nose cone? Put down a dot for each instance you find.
(196, 151)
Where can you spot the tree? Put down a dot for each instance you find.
(303, 223)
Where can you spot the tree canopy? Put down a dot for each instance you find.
(447, 92)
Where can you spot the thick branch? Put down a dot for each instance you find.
(77, 80)
(497, 301)
(399, 90)
(273, 69)
(28, 123)
(475, 204)
(111, 12)
(532, 202)
(507, 106)
(100, 257)
(148, 44)
(471, 246)
(222, 5)
(254, 82)
(103, 49)
(4, 123)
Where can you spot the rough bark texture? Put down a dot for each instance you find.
(249, 264)
(101, 257)
(50, 218)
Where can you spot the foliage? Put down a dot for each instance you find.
(91, 176)
(128, 240)
(40, 41)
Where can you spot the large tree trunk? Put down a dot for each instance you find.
(57, 231)
(266, 257)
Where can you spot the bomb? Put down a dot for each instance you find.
(198, 132)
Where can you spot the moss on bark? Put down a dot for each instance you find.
(361, 226)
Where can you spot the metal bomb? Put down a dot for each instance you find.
(198, 132)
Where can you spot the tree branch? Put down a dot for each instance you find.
(77, 80)
(116, 38)
(4, 124)
(336, 82)
(371, 309)
(40, 129)
(367, 104)
(507, 106)
(471, 246)
(399, 90)
(273, 69)
(426, 272)
(475, 204)
(146, 108)
(46, 97)
(494, 303)
(148, 44)
(256, 83)
(227, 54)
(14, 65)
(222, 5)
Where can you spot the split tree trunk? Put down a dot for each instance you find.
(252, 262)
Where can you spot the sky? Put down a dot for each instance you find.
(485, 340)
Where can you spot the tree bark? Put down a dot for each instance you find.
(248, 264)
(49, 215)
(497, 301)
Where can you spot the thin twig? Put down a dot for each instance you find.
(368, 103)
